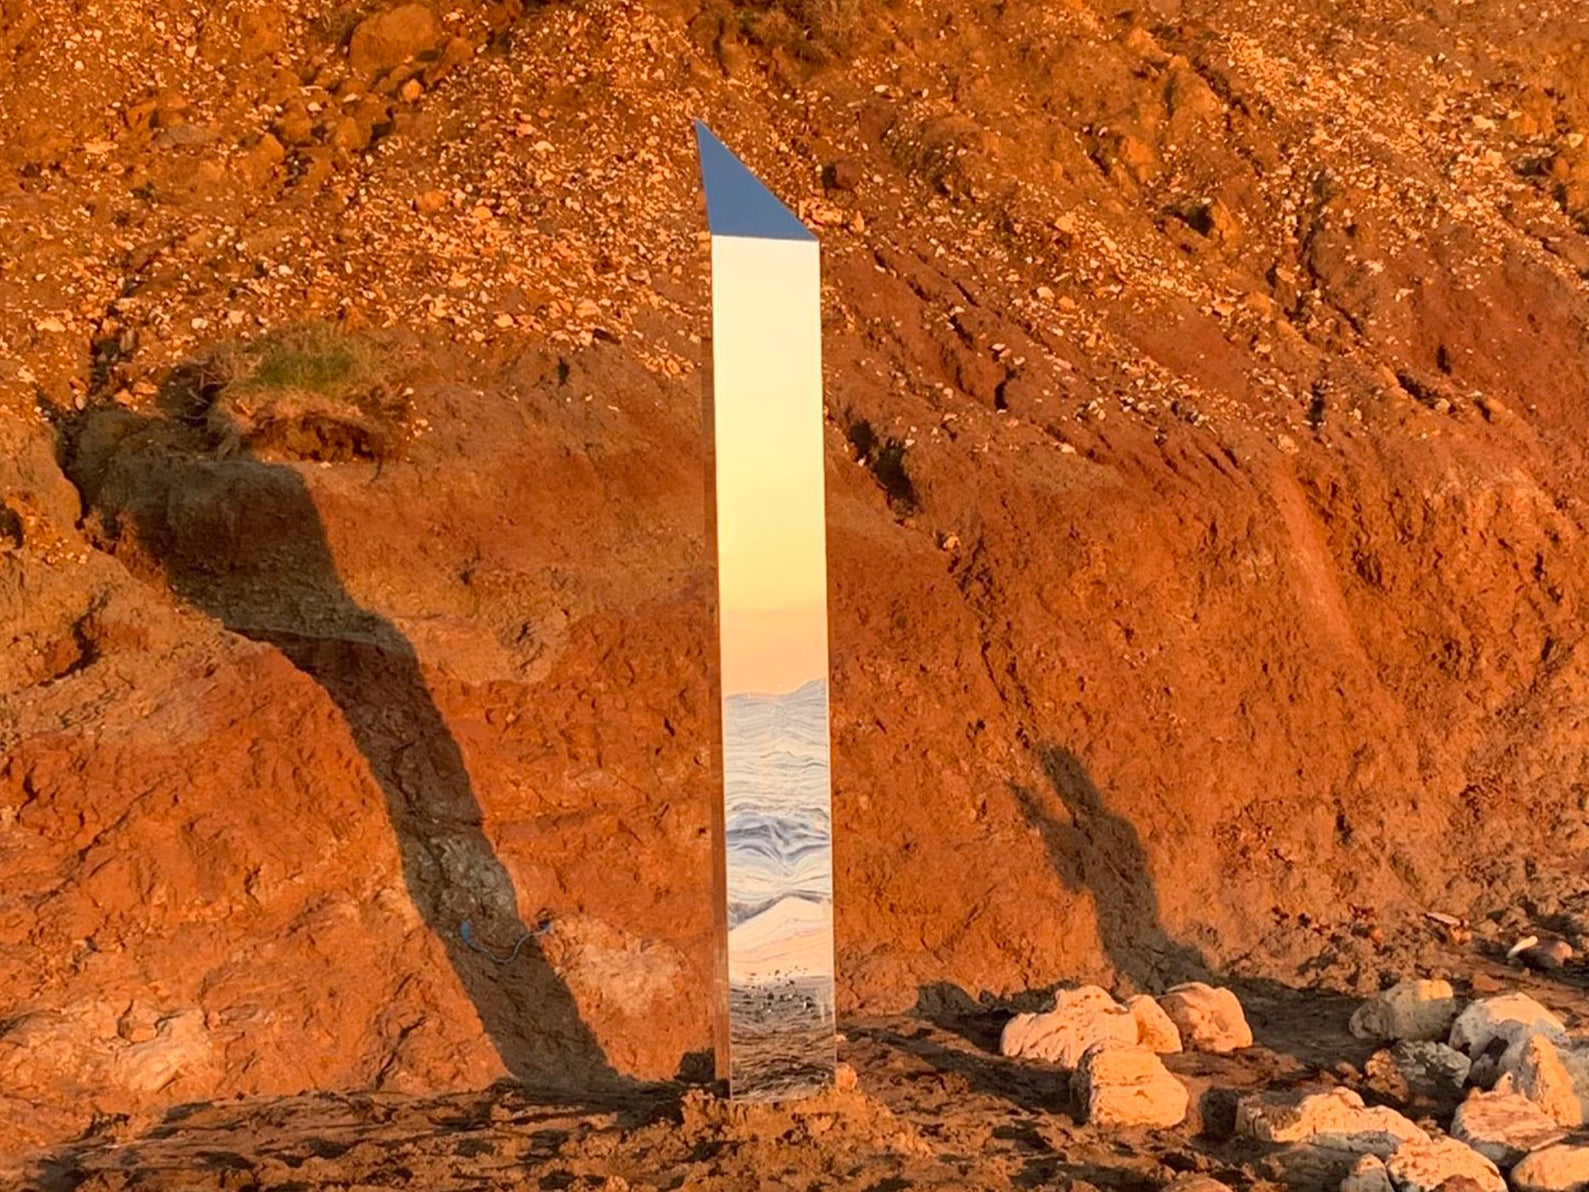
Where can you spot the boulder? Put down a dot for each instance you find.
(1154, 1028)
(1128, 1086)
(1511, 1018)
(1420, 1010)
(1543, 1078)
(385, 41)
(1503, 1126)
(1425, 1166)
(1081, 1018)
(1208, 1019)
(1563, 1167)
(1334, 1119)
(1368, 1175)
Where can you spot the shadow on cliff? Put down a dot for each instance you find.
(240, 538)
(1093, 848)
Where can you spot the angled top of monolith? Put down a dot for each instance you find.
(737, 204)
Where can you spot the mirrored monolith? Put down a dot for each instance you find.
(774, 863)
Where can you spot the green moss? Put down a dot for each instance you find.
(310, 359)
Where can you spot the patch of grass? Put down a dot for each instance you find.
(312, 358)
(307, 392)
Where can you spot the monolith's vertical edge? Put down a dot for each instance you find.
(769, 533)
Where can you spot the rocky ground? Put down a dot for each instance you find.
(1206, 472)
(1302, 1099)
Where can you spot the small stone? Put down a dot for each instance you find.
(1368, 1174)
(389, 39)
(1503, 1126)
(1547, 955)
(1080, 1019)
(1420, 1010)
(586, 310)
(1209, 1019)
(1194, 1182)
(1542, 1077)
(53, 325)
(844, 1078)
(1335, 1119)
(844, 174)
(1425, 1166)
(1118, 1085)
(430, 202)
(1155, 1031)
(1563, 1167)
(410, 91)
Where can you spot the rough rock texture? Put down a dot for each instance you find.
(1155, 1030)
(1079, 1019)
(1510, 1019)
(388, 39)
(1503, 1126)
(1206, 450)
(1128, 1086)
(1560, 1168)
(1542, 1077)
(1208, 1019)
(1196, 1183)
(1416, 1010)
(1335, 1120)
(1431, 1071)
(1426, 1166)
(1368, 1174)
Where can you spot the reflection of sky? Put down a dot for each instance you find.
(767, 393)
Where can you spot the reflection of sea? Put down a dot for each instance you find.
(782, 1038)
(776, 792)
(780, 892)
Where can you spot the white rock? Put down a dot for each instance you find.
(1424, 1166)
(1335, 1119)
(1209, 1019)
(1368, 1175)
(1081, 1018)
(1154, 1028)
(1511, 1017)
(1543, 1078)
(1560, 1168)
(1422, 1010)
(1120, 1085)
(1503, 1126)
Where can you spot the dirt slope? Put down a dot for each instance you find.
(1206, 423)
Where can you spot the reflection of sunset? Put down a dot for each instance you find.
(767, 382)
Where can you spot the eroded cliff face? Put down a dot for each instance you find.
(1207, 404)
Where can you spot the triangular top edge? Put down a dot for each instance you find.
(737, 202)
